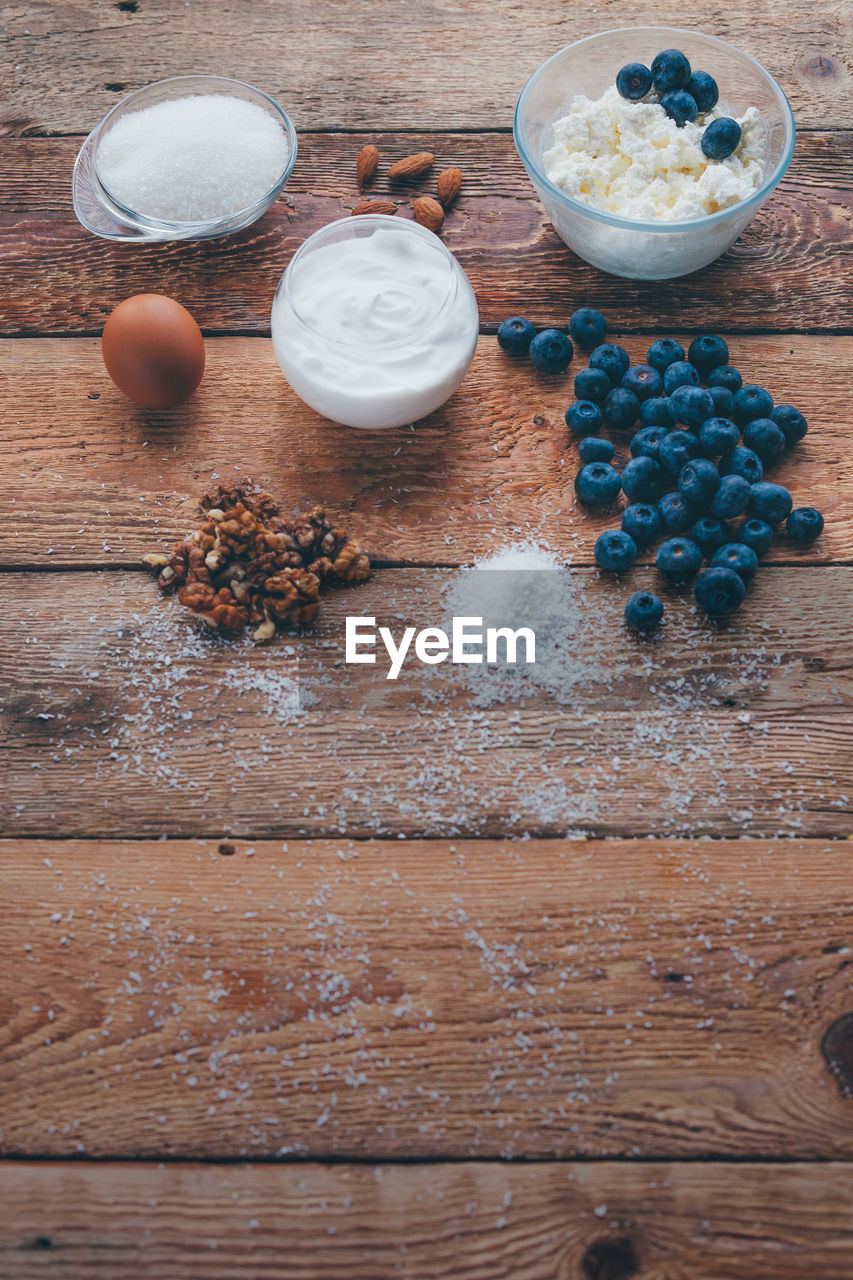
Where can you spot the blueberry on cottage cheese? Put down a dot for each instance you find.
(642, 479)
(592, 384)
(643, 380)
(633, 81)
(709, 533)
(677, 449)
(718, 436)
(804, 524)
(724, 401)
(691, 405)
(678, 559)
(721, 138)
(612, 360)
(742, 462)
(663, 353)
(719, 592)
(770, 502)
(657, 412)
(726, 375)
(680, 107)
(698, 481)
(583, 418)
(680, 374)
(670, 70)
(732, 497)
(643, 611)
(594, 449)
(737, 556)
(646, 443)
(757, 534)
(597, 484)
(704, 90)
(551, 351)
(588, 327)
(752, 402)
(615, 550)
(707, 352)
(791, 421)
(620, 409)
(642, 521)
(766, 439)
(674, 513)
(515, 335)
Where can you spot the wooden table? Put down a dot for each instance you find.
(387, 1036)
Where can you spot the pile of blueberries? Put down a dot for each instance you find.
(684, 95)
(697, 462)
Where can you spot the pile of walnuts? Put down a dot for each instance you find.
(247, 566)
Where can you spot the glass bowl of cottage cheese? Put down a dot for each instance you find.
(627, 189)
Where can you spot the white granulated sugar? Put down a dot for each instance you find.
(192, 159)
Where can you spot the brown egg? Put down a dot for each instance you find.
(153, 350)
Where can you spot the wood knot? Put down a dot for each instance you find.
(610, 1258)
(837, 1049)
(819, 66)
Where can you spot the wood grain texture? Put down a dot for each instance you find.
(788, 270)
(380, 64)
(444, 1222)
(119, 718)
(97, 480)
(340, 998)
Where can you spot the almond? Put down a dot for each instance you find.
(365, 165)
(375, 206)
(411, 166)
(428, 213)
(449, 182)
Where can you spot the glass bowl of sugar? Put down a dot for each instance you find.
(189, 158)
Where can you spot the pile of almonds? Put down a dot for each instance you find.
(427, 210)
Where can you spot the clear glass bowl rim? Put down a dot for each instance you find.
(161, 224)
(638, 224)
(406, 227)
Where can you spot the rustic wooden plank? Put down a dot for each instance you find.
(433, 1000)
(118, 717)
(478, 1221)
(380, 64)
(796, 252)
(97, 480)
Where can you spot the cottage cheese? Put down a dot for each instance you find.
(631, 159)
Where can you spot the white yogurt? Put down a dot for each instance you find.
(374, 323)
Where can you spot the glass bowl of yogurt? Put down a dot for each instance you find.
(624, 188)
(374, 322)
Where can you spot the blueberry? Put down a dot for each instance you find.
(704, 89)
(718, 436)
(680, 374)
(709, 533)
(752, 402)
(592, 384)
(763, 437)
(663, 353)
(583, 418)
(515, 335)
(642, 521)
(657, 412)
(677, 449)
(674, 514)
(620, 409)
(770, 502)
(698, 481)
(642, 479)
(597, 484)
(615, 550)
(643, 611)
(680, 106)
(551, 351)
(719, 592)
(707, 352)
(592, 449)
(724, 401)
(726, 375)
(804, 524)
(612, 360)
(738, 557)
(587, 327)
(646, 443)
(691, 405)
(732, 497)
(721, 138)
(670, 70)
(791, 422)
(757, 534)
(634, 81)
(678, 559)
(742, 462)
(643, 380)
